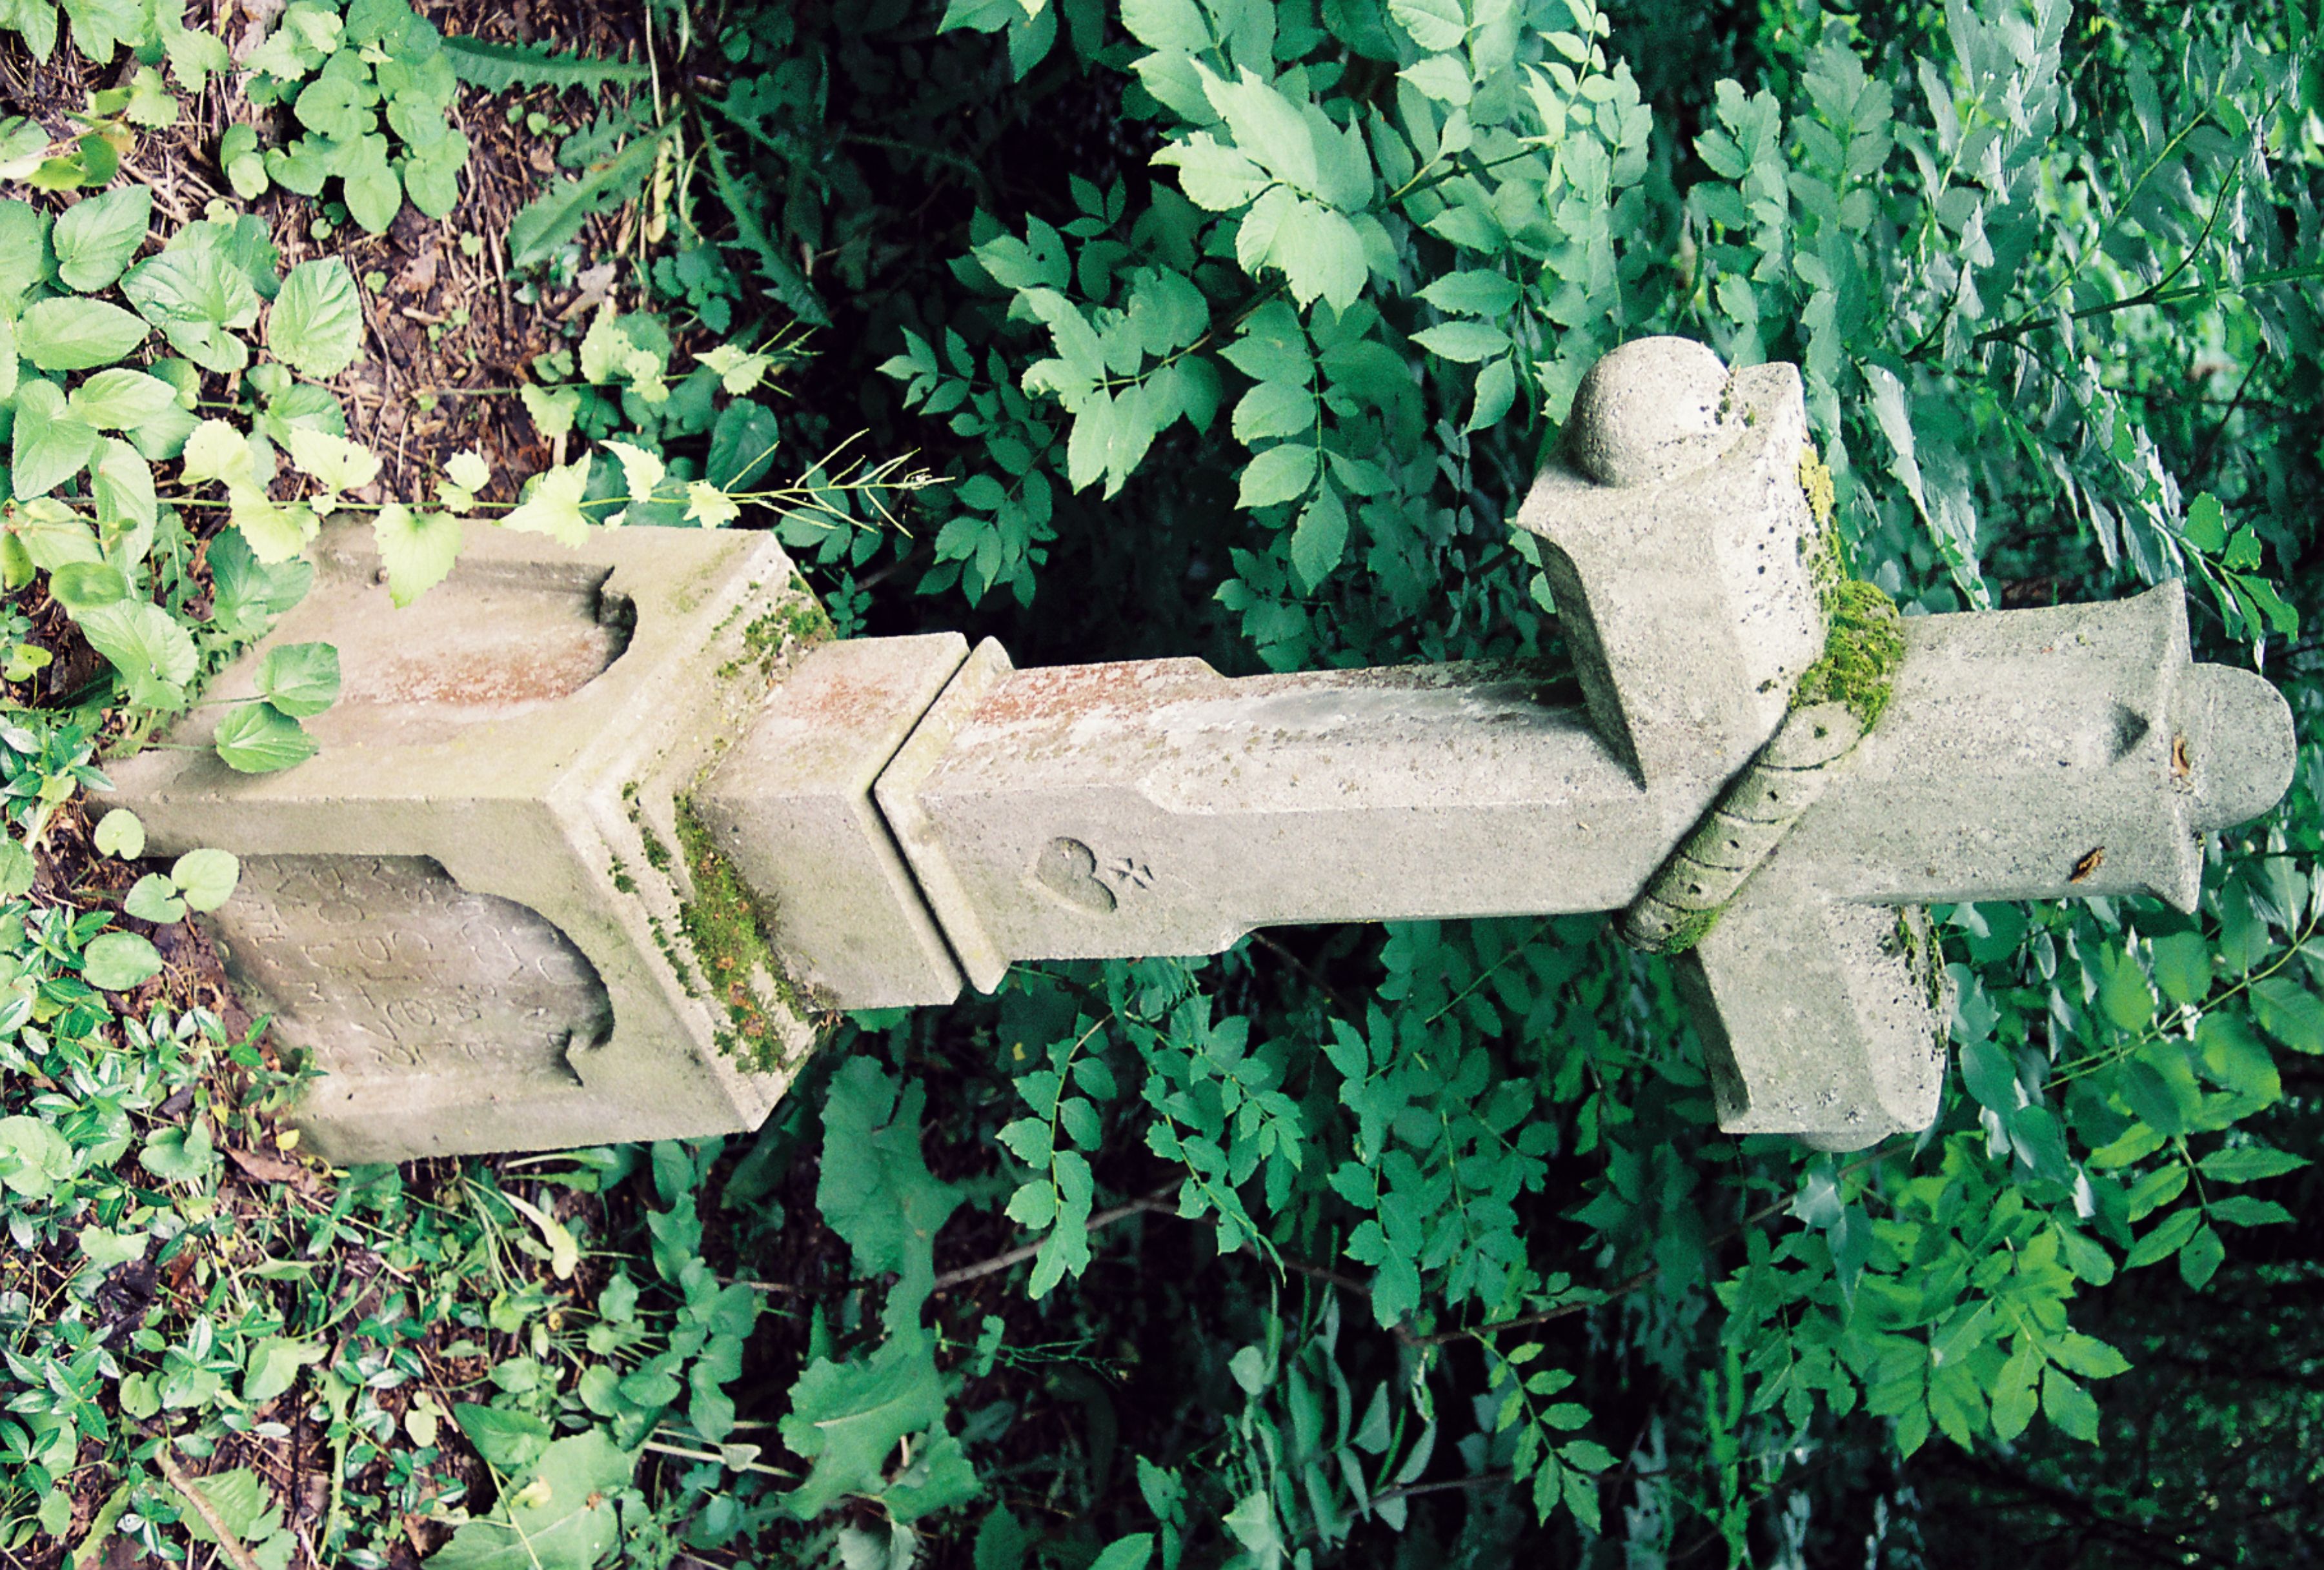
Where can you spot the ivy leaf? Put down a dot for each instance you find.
(316, 325)
(258, 738)
(642, 471)
(554, 507)
(96, 238)
(552, 407)
(417, 549)
(77, 335)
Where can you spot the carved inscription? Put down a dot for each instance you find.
(383, 966)
(1075, 874)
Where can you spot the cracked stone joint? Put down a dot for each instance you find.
(597, 839)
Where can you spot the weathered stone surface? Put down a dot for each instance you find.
(590, 839)
(482, 849)
(791, 807)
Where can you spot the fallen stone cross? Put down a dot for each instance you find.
(596, 835)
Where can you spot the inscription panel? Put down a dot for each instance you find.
(384, 968)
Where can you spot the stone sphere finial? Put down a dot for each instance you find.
(1649, 412)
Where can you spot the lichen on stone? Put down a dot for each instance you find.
(1815, 483)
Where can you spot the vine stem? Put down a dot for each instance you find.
(228, 1544)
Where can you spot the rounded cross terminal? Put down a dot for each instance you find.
(1651, 411)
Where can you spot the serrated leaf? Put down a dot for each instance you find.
(848, 1417)
(49, 446)
(1435, 25)
(257, 738)
(417, 549)
(144, 644)
(299, 679)
(316, 326)
(1280, 474)
(2249, 1164)
(875, 1189)
(564, 1517)
(642, 471)
(96, 238)
(334, 461)
(554, 506)
(77, 335)
(498, 67)
(119, 400)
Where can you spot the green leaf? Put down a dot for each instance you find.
(1165, 24)
(120, 833)
(417, 549)
(17, 871)
(848, 1417)
(1137, 1551)
(155, 655)
(50, 448)
(2164, 1239)
(2070, 1407)
(206, 877)
(2205, 526)
(508, 1440)
(299, 679)
(80, 586)
(554, 505)
(1435, 25)
(1464, 341)
(1497, 389)
(1320, 538)
(2200, 1260)
(2124, 992)
(498, 67)
(95, 239)
(77, 335)
(875, 1189)
(2182, 965)
(1214, 177)
(2013, 1402)
(564, 1517)
(200, 297)
(548, 221)
(373, 189)
(2249, 1164)
(120, 400)
(257, 738)
(273, 1364)
(154, 897)
(2290, 1012)
(2243, 1210)
(115, 962)
(1280, 474)
(2234, 1058)
(316, 326)
(337, 463)
(33, 1157)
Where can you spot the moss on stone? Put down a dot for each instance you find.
(1864, 643)
(1692, 930)
(732, 939)
(795, 623)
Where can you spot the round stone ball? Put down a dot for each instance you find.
(1648, 413)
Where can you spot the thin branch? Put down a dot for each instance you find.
(228, 1544)
(1158, 1200)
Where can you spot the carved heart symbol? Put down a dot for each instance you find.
(1068, 869)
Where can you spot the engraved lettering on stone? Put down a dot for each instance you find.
(381, 965)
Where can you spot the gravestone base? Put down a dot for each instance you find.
(483, 909)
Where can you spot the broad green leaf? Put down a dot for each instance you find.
(33, 1157)
(741, 446)
(273, 1364)
(120, 833)
(25, 255)
(18, 873)
(1214, 177)
(115, 962)
(1435, 25)
(275, 533)
(1165, 24)
(206, 877)
(2290, 1012)
(316, 325)
(554, 506)
(2249, 1164)
(118, 399)
(469, 470)
(2164, 1239)
(1320, 538)
(1280, 474)
(1273, 409)
(257, 738)
(2200, 1260)
(564, 1517)
(875, 1190)
(77, 335)
(334, 461)
(155, 655)
(2070, 1407)
(96, 238)
(200, 297)
(373, 189)
(50, 447)
(122, 486)
(1473, 293)
(642, 471)
(217, 451)
(2183, 966)
(299, 679)
(80, 586)
(738, 371)
(154, 897)
(2124, 992)
(847, 1419)
(417, 549)
(552, 407)
(510, 1441)
(1466, 342)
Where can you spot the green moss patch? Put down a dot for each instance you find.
(731, 936)
(1864, 643)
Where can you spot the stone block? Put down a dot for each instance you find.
(790, 806)
(480, 907)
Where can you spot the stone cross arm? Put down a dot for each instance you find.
(595, 837)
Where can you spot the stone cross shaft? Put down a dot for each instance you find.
(595, 836)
